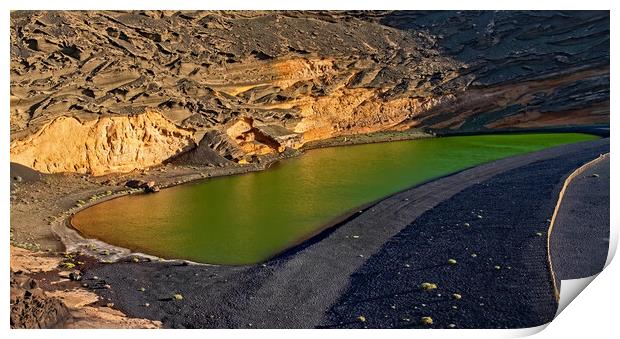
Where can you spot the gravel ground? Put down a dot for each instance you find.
(580, 238)
(352, 269)
(495, 232)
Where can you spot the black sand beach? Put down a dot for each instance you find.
(496, 233)
(359, 267)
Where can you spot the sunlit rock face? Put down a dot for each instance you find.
(292, 77)
(104, 145)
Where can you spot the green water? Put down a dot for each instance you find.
(249, 218)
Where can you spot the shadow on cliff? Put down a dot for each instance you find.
(504, 47)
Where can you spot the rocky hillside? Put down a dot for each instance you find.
(100, 92)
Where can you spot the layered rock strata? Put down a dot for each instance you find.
(229, 85)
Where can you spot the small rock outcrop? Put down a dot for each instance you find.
(149, 187)
(31, 307)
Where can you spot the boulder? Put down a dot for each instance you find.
(150, 187)
(135, 184)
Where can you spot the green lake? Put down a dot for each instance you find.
(249, 218)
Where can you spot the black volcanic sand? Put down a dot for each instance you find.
(500, 271)
(580, 238)
(353, 269)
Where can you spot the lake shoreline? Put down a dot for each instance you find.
(72, 240)
(321, 269)
(196, 219)
(63, 205)
(41, 207)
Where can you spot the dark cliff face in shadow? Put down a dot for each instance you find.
(501, 46)
(504, 47)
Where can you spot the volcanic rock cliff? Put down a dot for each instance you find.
(99, 92)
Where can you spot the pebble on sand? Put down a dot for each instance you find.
(426, 320)
(428, 286)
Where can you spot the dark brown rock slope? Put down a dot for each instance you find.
(254, 83)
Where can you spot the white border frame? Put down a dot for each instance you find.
(593, 314)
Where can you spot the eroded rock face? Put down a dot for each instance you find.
(109, 144)
(304, 75)
(31, 307)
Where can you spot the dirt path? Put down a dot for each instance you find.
(580, 237)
